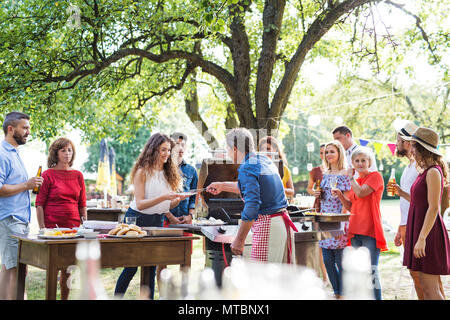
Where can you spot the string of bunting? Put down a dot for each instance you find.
(377, 145)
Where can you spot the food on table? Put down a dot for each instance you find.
(129, 230)
(313, 213)
(210, 221)
(60, 233)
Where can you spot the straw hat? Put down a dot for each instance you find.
(407, 130)
(428, 138)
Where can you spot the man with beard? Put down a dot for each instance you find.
(185, 210)
(409, 175)
(15, 210)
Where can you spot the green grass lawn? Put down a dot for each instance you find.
(35, 281)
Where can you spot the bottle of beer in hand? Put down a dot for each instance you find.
(318, 188)
(390, 186)
(39, 173)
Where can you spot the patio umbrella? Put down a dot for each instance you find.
(103, 174)
(112, 171)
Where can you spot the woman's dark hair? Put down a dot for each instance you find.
(148, 159)
(422, 156)
(58, 144)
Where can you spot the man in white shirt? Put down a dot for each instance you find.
(403, 190)
(345, 136)
(409, 175)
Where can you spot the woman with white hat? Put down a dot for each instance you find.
(427, 245)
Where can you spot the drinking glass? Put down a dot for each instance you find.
(130, 220)
(333, 183)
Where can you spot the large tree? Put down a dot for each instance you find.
(100, 65)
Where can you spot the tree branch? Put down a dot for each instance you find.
(195, 59)
(318, 28)
(272, 20)
(418, 24)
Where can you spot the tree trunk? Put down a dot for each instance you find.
(191, 106)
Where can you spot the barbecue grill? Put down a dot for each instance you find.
(228, 207)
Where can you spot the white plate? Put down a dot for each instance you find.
(58, 237)
(211, 223)
(186, 193)
(99, 224)
(125, 236)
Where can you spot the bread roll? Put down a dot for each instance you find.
(123, 231)
(114, 231)
(134, 227)
(143, 233)
(132, 233)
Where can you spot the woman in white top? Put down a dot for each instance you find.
(156, 182)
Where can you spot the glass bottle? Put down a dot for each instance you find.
(318, 188)
(390, 186)
(39, 173)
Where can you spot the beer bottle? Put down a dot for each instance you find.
(390, 185)
(39, 173)
(318, 188)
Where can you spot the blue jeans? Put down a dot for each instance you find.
(371, 244)
(332, 258)
(142, 220)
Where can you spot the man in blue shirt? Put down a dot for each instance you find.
(265, 202)
(15, 208)
(186, 208)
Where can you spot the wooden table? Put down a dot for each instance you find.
(104, 214)
(55, 255)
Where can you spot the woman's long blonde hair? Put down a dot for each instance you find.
(148, 158)
(342, 161)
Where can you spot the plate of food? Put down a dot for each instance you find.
(187, 193)
(209, 222)
(59, 233)
(124, 230)
(132, 235)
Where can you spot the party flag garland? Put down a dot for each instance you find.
(377, 145)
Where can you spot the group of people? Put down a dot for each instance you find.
(159, 175)
(348, 181)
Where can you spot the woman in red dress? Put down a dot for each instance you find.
(427, 246)
(62, 198)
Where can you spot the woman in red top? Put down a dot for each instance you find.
(62, 198)
(365, 226)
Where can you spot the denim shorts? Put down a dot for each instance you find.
(8, 245)
(145, 220)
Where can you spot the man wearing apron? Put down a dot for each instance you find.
(265, 203)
